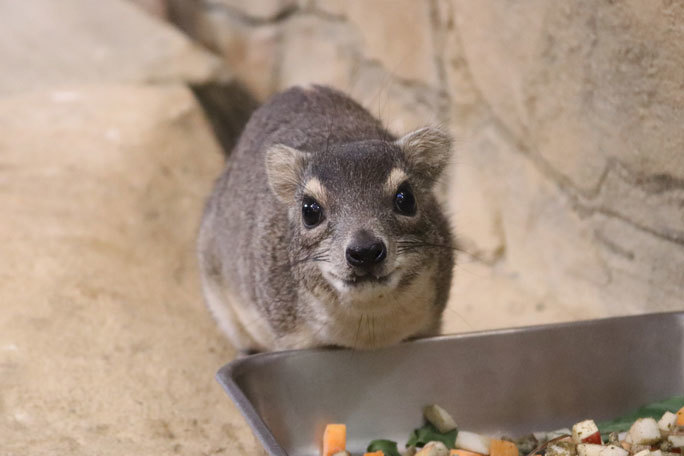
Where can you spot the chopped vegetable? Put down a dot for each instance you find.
(680, 417)
(652, 430)
(644, 431)
(588, 449)
(439, 417)
(428, 433)
(388, 447)
(676, 440)
(667, 422)
(654, 410)
(434, 448)
(472, 442)
(461, 452)
(613, 450)
(502, 448)
(527, 443)
(334, 439)
(561, 448)
(586, 432)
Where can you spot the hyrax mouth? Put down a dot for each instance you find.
(365, 255)
(366, 279)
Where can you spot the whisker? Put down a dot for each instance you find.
(316, 256)
(412, 245)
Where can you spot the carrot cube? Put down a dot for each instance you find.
(680, 417)
(460, 452)
(502, 448)
(334, 439)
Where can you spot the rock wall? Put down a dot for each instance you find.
(105, 161)
(568, 176)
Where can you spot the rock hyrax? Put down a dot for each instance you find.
(323, 229)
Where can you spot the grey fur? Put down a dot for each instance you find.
(274, 284)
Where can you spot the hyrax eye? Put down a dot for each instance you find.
(404, 201)
(312, 213)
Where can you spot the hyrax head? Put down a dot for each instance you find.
(362, 215)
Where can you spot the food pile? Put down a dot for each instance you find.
(639, 434)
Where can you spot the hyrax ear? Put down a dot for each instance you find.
(427, 151)
(284, 167)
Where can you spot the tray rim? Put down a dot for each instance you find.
(226, 375)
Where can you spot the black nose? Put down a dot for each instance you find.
(365, 251)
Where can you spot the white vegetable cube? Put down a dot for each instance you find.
(613, 450)
(676, 440)
(583, 429)
(667, 422)
(556, 449)
(644, 431)
(589, 449)
(433, 449)
(472, 442)
(439, 417)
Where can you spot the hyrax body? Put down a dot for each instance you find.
(323, 229)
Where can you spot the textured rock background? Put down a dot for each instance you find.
(567, 187)
(568, 178)
(105, 345)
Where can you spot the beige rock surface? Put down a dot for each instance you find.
(44, 43)
(578, 157)
(395, 33)
(105, 345)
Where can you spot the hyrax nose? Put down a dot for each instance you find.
(365, 251)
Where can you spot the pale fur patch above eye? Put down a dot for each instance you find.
(315, 189)
(396, 177)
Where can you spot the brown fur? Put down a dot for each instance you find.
(273, 283)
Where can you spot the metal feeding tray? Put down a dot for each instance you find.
(512, 382)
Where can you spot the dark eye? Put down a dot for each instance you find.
(312, 213)
(404, 201)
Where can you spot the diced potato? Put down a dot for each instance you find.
(472, 442)
(434, 449)
(561, 449)
(642, 453)
(676, 440)
(667, 422)
(583, 430)
(644, 431)
(439, 418)
(588, 449)
(613, 450)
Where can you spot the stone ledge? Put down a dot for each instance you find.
(51, 44)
